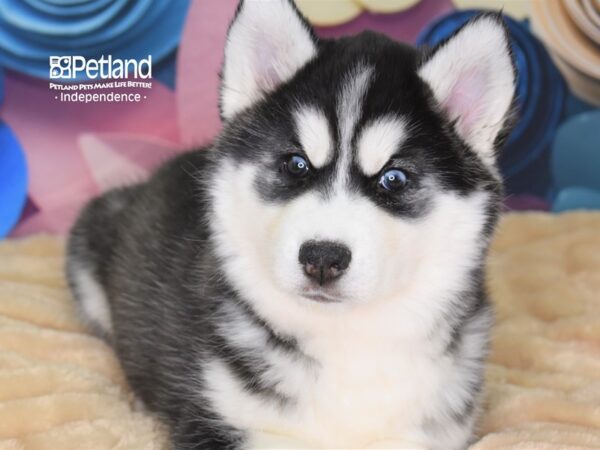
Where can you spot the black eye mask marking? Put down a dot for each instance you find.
(285, 176)
(409, 199)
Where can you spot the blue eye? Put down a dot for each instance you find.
(393, 180)
(297, 166)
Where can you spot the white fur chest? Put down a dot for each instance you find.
(361, 391)
(367, 392)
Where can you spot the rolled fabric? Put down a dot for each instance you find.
(576, 198)
(573, 40)
(1, 86)
(402, 25)
(33, 30)
(13, 180)
(576, 153)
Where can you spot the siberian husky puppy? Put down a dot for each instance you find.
(318, 272)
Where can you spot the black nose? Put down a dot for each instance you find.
(324, 261)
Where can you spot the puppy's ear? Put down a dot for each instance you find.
(268, 41)
(473, 79)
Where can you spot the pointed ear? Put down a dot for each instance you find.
(472, 77)
(268, 41)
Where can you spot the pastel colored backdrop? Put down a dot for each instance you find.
(69, 152)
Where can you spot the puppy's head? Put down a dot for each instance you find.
(355, 171)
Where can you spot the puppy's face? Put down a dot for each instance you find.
(355, 171)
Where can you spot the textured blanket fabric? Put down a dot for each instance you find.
(62, 389)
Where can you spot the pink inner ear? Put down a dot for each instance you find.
(466, 101)
(267, 77)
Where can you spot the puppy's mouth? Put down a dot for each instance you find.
(321, 296)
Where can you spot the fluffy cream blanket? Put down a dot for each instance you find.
(62, 389)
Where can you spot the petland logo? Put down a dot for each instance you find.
(75, 67)
(104, 79)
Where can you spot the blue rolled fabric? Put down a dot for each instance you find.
(540, 101)
(574, 198)
(165, 72)
(1, 86)
(65, 2)
(33, 30)
(13, 180)
(72, 9)
(576, 152)
(22, 16)
(137, 14)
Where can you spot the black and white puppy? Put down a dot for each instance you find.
(317, 274)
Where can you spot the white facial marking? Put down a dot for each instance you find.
(378, 141)
(349, 109)
(314, 134)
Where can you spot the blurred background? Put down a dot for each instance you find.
(56, 155)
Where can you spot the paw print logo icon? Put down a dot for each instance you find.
(60, 67)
